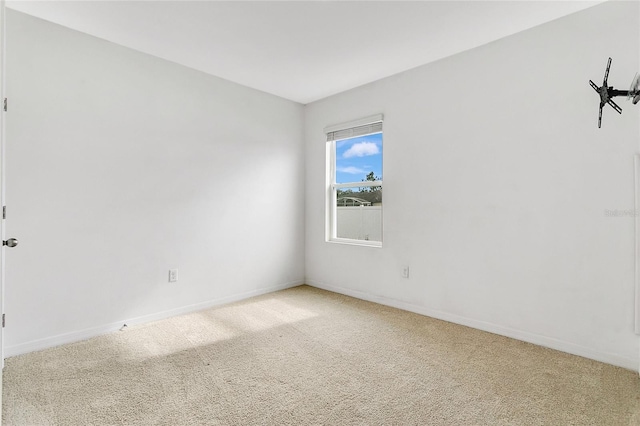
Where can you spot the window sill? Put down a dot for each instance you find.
(364, 243)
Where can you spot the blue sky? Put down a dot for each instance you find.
(356, 157)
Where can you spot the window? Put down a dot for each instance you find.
(354, 189)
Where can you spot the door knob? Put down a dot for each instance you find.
(11, 242)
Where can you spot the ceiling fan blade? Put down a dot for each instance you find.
(606, 73)
(615, 106)
(596, 88)
(600, 116)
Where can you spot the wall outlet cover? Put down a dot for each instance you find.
(405, 272)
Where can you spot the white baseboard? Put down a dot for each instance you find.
(549, 342)
(76, 336)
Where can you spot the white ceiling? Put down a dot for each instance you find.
(300, 50)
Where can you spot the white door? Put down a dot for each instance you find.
(2, 183)
(637, 258)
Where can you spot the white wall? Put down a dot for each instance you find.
(496, 183)
(121, 166)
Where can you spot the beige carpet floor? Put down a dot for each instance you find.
(304, 356)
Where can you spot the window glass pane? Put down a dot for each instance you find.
(359, 159)
(359, 213)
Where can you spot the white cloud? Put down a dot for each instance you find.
(361, 149)
(351, 170)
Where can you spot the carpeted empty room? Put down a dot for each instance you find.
(306, 356)
(320, 213)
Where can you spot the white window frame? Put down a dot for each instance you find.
(344, 132)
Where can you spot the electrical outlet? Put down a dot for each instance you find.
(405, 272)
(173, 275)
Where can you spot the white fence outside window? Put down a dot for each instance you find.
(360, 223)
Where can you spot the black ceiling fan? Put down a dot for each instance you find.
(608, 92)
